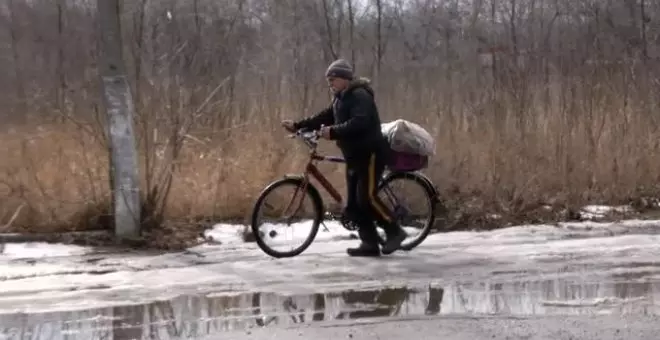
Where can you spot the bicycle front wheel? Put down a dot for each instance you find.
(413, 202)
(286, 211)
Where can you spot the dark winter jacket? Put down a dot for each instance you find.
(354, 120)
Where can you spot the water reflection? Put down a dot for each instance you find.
(552, 296)
(196, 316)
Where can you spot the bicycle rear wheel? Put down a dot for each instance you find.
(403, 192)
(269, 229)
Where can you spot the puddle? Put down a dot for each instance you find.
(192, 316)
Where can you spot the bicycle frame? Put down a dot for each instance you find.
(311, 170)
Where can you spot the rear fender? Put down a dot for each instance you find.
(434, 191)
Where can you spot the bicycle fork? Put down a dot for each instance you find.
(302, 188)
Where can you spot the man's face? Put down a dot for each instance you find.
(337, 84)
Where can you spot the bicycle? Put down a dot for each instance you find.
(303, 185)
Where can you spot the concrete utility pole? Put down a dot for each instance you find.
(119, 109)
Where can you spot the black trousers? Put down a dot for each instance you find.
(363, 206)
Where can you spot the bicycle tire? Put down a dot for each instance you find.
(431, 196)
(318, 216)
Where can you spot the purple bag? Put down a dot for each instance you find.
(404, 161)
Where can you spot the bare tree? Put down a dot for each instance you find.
(531, 100)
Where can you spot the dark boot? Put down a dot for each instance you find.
(364, 249)
(368, 240)
(395, 236)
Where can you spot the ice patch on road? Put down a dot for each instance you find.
(298, 232)
(629, 224)
(233, 233)
(600, 211)
(226, 233)
(41, 250)
(301, 230)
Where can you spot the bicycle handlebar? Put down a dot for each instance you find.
(310, 137)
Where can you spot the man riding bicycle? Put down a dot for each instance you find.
(353, 121)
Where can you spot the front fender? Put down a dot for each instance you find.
(294, 176)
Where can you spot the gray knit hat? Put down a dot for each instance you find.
(341, 69)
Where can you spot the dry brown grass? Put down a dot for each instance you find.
(593, 147)
(59, 173)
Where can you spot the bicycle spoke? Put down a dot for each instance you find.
(391, 196)
(413, 224)
(299, 191)
(413, 210)
(288, 231)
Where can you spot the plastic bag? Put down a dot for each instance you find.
(408, 137)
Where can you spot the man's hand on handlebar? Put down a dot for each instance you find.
(324, 132)
(289, 125)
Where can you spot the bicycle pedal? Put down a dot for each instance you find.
(332, 217)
